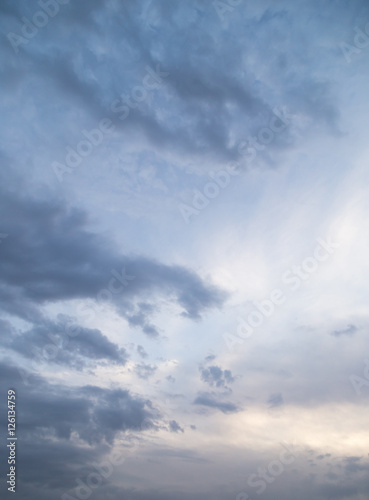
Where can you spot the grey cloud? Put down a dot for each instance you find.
(66, 261)
(210, 401)
(7, 329)
(141, 351)
(224, 81)
(215, 376)
(320, 457)
(145, 371)
(205, 87)
(140, 318)
(210, 358)
(60, 461)
(316, 99)
(355, 465)
(337, 491)
(49, 342)
(95, 414)
(175, 427)
(275, 400)
(350, 330)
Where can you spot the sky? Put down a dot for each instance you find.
(183, 249)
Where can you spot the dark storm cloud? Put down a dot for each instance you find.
(10, 373)
(53, 257)
(50, 416)
(60, 462)
(49, 343)
(210, 400)
(95, 414)
(208, 89)
(66, 430)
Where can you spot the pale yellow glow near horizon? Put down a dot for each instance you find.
(341, 429)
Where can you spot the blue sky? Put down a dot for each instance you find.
(183, 248)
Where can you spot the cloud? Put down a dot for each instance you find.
(215, 376)
(107, 246)
(209, 358)
(145, 371)
(175, 427)
(326, 455)
(141, 351)
(210, 401)
(350, 330)
(275, 400)
(140, 318)
(66, 261)
(93, 413)
(49, 343)
(353, 465)
(209, 91)
(64, 430)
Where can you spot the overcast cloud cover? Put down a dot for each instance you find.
(183, 248)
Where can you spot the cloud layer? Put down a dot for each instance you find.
(114, 310)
